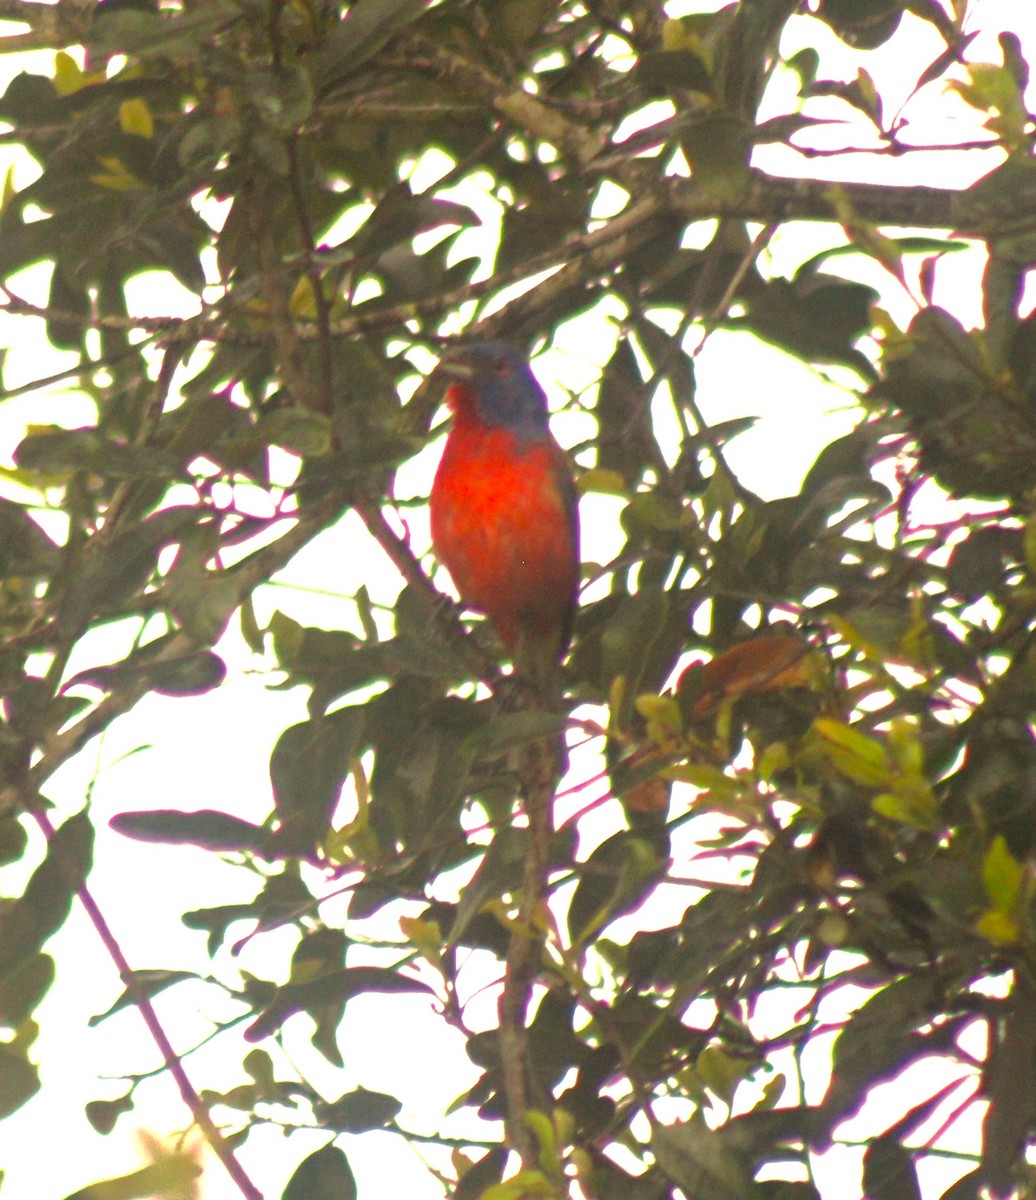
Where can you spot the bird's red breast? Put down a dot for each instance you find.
(503, 523)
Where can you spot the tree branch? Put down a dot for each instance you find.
(50, 25)
(539, 771)
(189, 1094)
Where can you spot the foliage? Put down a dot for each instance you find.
(830, 692)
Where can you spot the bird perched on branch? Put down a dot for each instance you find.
(503, 509)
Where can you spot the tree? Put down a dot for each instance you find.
(831, 690)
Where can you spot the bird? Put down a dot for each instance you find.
(504, 517)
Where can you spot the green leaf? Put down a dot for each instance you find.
(182, 674)
(358, 1111)
(307, 769)
(202, 597)
(25, 550)
(514, 23)
(207, 828)
(702, 1164)
(879, 1041)
(41, 910)
(623, 411)
(19, 1080)
(283, 98)
(146, 984)
(307, 434)
(335, 986)
(217, 920)
(889, 1172)
(112, 572)
(171, 1174)
(659, 72)
(718, 147)
(510, 730)
(324, 1175)
(617, 876)
(857, 756)
(73, 298)
(862, 24)
(103, 1114)
(13, 839)
(1002, 876)
(152, 34)
(321, 952)
(23, 987)
(365, 29)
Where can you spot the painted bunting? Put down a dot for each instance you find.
(503, 509)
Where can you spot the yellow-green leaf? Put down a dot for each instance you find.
(774, 758)
(720, 1072)
(116, 176)
(135, 117)
(1002, 876)
(524, 1186)
(857, 756)
(600, 479)
(908, 806)
(997, 927)
(69, 76)
(704, 778)
(663, 716)
(425, 937)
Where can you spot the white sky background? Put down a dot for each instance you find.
(214, 750)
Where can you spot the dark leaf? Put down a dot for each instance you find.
(320, 952)
(207, 828)
(863, 24)
(24, 547)
(103, 1114)
(27, 922)
(336, 986)
(499, 872)
(23, 987)
(13, 839)
(617, 876)
(72, 301)
(218, 920)
(324, 1175)
(627, 441)
(968, 1187)
(889, 1172)
(509, 730)
(367, 26)
(718, 146)
(163, 667)
(307, 769)
(358, 1111)
(1009, 1082)
(658, 72)
(481, 1175)
(701, 1163)
(19, 1080)
(138, 32)
(814, 316)
(878, 1042)
(145, 985)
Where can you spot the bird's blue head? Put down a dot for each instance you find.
(493, 383)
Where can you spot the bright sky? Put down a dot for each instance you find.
(214, 750)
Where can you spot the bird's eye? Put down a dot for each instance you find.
(500, 366)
